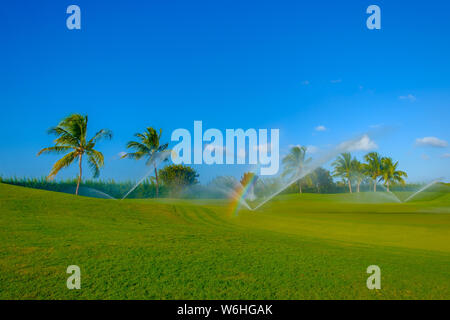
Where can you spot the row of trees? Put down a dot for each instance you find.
(71, 140)
(376, 168)
(352, 171)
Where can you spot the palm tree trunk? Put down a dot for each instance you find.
(374, 185)
(357, 187)
(299, 187)
(79, 176)
(157, 182)
(387, 184)
(349, 186)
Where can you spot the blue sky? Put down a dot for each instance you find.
(292, 65)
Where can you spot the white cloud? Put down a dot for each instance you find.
(306, 82)
(431, 142)
(425, 157)
(362, 144)
(409, 97)
(312, 149)
(445, 155)
(336, 81)
(320, 128)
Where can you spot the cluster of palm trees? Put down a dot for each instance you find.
(349, 169)
(376, 168)
(71, 140)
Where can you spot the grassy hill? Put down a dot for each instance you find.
(297, 247)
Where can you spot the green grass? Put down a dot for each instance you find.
(297, 247)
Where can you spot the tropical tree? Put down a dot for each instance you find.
(373, 167)
(148, 146)
(389, 173)
(358, 173)
(71, 139)
(178, 176)
(322, 179)
(294, 165)
(343, 168)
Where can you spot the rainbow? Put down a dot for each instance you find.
(237, 197)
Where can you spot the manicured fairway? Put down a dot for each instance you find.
(296, 247)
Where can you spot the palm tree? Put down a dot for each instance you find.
(147, 147)
(294, 164)
(343, 168)
(373, 167)
(358, 172)
(72, 139)
(390, 174)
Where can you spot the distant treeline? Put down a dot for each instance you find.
(174, 180)
(110, 187)
(216, 189)
(117, 189)
(340, 187)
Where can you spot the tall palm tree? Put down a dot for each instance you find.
(343, 168)
(358, 172)
(294, 164)
(373, 167)
(148, 147)
(390, 174)
(71, 135)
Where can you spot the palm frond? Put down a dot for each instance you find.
(139, 147)
(64, 137)
(140, 136)
(343, 165)
(76, 125)
(102, 134)
(63, 163)
(134, 155)
(95, 161)
(163, 147)
(295, 161)
(55, 149)
(97, 156)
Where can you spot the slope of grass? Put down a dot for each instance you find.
(296, 247)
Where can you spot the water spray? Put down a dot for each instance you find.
(423, 189)
(345, 146)
(155, 160)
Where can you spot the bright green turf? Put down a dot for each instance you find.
(296, 247)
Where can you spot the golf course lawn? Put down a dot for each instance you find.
(308, 246)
